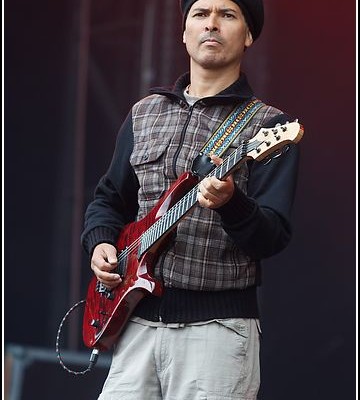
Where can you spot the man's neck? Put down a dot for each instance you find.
(205, 83)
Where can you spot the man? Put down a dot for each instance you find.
(200, 339)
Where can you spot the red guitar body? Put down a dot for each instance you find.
(106, 312)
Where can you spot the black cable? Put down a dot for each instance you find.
(93, 356)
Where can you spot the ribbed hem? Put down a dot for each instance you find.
(100, 234)
(180, 305)
(239, 208)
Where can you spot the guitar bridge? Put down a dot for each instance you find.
(104, 291)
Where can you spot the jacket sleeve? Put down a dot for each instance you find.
(259, 222)
(115, 198)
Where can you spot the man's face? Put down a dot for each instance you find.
(216, 33)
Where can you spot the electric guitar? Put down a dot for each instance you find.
(107, 311)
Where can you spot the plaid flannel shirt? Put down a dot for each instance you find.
(167, 138)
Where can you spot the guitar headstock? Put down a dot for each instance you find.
(268, 140)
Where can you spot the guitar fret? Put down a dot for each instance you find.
(142, 243)
(173, 213)
(162, 223)
(158, 229)
(147, 238)
(187, 203)
(153, 234)
(170, 217)
(192, 198)
(189, 199)
(181, 207)
(179, 210)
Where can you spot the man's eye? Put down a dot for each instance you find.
(229, 16)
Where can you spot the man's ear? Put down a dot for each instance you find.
(184, 37)
(249, 39)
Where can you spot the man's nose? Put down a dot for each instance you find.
(212, 24)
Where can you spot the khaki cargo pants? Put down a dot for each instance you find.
(213, 360)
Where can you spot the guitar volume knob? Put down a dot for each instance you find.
(95, 323)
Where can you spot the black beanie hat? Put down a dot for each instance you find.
(253, 11)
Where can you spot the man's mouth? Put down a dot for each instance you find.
(212, 38)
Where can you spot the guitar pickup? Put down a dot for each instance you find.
(104, 291)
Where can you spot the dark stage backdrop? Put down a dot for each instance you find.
(72, 69)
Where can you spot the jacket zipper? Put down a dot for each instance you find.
(182, 138)
(176, 155)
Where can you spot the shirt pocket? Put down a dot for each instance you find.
(149, 160)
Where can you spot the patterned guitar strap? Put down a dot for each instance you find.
(224, 135)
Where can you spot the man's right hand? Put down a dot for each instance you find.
(103, 261)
